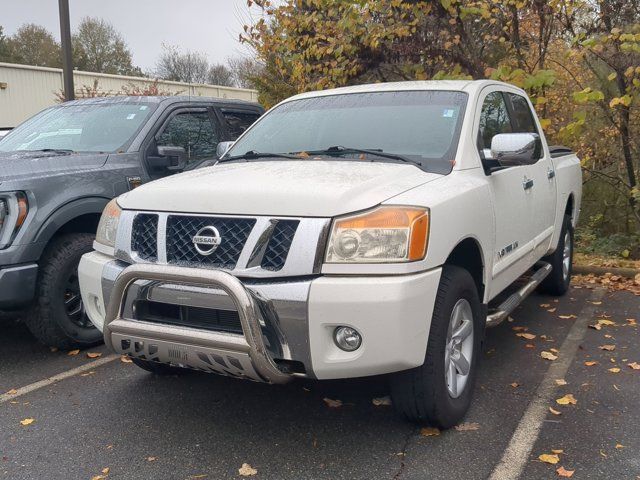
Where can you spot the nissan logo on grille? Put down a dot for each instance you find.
(207, 240)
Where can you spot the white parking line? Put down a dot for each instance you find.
(5, 397)
(516, 455)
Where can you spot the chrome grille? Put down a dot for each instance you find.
(144, 238)
(181, 230)
(279, 244)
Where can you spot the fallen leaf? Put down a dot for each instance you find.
(125, 359)
(634, 365)
(549, 458)
(563, 472)
(151, 459)
(519, 329)
(567, 317)
(528, 336)
(557, 451)
(72, 353)
(597, 326)
(590, 364)
(561, 381)
(554, 350)
(429, 432)
(551, 310)
(554, 411)
(13, 391)
(98, 477)
(27, 421)
(106, 470)
(604, 321)
(545, 305)
(548, 355)
(596, 303)
(619, 446)
(467, 427)
(529, 345)
(566, 400)
(89, 373)
(515, 384)
(93, 354)
(382, 401)
(332, 403)
(608, 348)
(247, 470)
(614, 370)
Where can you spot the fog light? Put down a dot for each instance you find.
(347, 338)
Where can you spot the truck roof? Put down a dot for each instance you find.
(468, 86)
(164, 99)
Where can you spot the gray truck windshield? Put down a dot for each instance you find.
(87, 127)
(423, 126)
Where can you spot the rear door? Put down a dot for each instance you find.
(542, 200)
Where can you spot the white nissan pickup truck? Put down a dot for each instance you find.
(374, 229)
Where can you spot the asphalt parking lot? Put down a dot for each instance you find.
(113, 420)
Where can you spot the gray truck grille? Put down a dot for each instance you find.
(181, 230)
(144, 238)
(279, 244)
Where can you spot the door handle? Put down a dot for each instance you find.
(551, 173)
(527, 183)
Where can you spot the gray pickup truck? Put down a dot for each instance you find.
(59, 169)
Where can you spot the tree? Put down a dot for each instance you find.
(190, 67)
(98, 47)
(245, 71)
(34, 45)
(5, 50)
(220, 75)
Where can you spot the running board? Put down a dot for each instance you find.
(515, 299)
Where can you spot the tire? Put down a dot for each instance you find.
(51, 320)
(557, 282)
(422, 394)
(156, 367)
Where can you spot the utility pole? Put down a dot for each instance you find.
(67, 59)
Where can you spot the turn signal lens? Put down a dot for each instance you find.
(108, 226)
(384, 235)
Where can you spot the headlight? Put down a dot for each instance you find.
(383, 235)
(108, 226)
(13, 212)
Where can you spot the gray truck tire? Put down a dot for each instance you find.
(424, 394)
(51, 319)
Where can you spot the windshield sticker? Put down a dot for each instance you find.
(143, 107)
(447, 113)
(131, 116)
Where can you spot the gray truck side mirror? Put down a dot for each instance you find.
(514, 149)
(170, 158)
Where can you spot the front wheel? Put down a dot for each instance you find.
(58, 318)
(439, 392)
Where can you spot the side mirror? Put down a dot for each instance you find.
(169, 158)
(222, 148)
(515, 149)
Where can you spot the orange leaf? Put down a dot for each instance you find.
(563, 472)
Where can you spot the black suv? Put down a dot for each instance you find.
(59, 169)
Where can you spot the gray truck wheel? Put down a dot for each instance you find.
(58, 318)
(439, 392)
(557, 282)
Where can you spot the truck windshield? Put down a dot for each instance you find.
(422, 126)
(89, 127)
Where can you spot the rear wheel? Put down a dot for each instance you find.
(557, 282)
(58, 317)
(439, 392)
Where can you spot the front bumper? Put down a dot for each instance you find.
(282, 321)
(17, 285)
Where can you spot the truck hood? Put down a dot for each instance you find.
(24, 166)
(307, 188)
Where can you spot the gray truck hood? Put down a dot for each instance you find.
(307, 188)
(23, 166)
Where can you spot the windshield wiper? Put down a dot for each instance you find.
(252, 155)
(54, 150)
(340, 150)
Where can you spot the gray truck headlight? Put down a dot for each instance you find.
(108, 226)
(14, 208)
(386, 234)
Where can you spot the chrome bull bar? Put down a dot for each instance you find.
(236, 355)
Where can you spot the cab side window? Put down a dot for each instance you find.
(522, 117)
(238, 122)
(192, 131)
(494, 119)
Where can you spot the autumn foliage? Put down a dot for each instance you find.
(579, 60)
